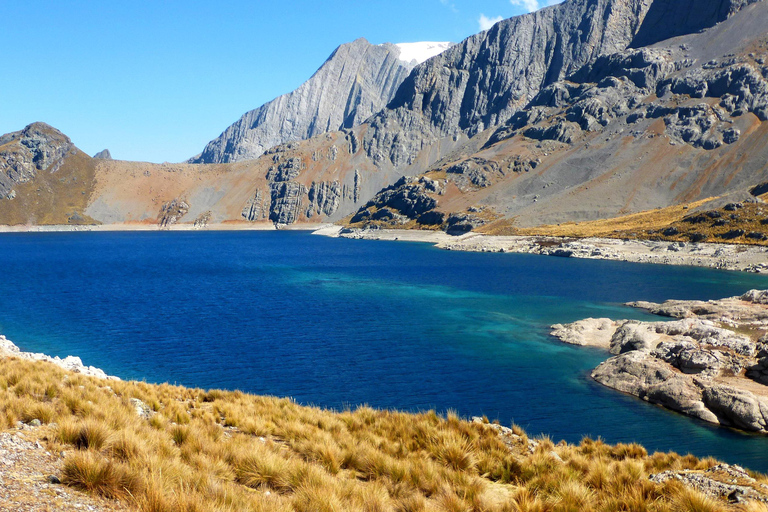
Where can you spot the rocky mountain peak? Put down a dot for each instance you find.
(421, 51)
(104, 154)
(38, 147)
(357, 80)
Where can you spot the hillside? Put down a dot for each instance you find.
(166, 448)
(44, 178)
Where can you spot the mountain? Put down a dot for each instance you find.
(483, 81)
(44, 178)
(358, 79)
(585, 110)
(626, 130)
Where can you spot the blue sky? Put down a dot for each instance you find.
(156, 80)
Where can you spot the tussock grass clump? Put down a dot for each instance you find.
(85, 434)
(92, 472)
(264, 468)
(203, 451)
(690, 501)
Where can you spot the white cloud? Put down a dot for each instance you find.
(450, 5)
(528, 5)
(485, 22)
(533, 5)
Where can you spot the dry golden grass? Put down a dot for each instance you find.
(751, 218)
(229, 451)
(647, 220)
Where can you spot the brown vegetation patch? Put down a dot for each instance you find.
(735, 223)
(49, 198)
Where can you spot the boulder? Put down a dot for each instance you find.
(640, 374)
(756, 296)
(669, 351)
(594, 332)
(737, 407)
(696, 360)
(633, 335)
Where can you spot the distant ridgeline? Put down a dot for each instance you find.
(584, 110)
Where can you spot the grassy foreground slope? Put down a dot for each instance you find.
(182, 449)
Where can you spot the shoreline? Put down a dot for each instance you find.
(707, 360)
(70, 363)
(745, 258)
(128, 227)
(734, 257)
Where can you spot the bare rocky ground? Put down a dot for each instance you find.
(28, 473)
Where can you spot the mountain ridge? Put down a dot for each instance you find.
(358, 79)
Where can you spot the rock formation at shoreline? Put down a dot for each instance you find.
(720, 256)
(702, 364)
(70, 363)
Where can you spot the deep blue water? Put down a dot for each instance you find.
(338, 323)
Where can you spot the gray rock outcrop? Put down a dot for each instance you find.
(324, 198)
(691, 365)
(358, 79)
(594, 332)
(409, 198)
(733, 483)
(483, 81)
(38, 147)
(104, 154)
(637, 374)
(729, 310)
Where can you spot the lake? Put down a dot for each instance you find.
(337, 323)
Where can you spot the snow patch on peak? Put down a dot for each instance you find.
(421, 51)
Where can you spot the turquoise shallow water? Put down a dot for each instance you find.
(338, 323)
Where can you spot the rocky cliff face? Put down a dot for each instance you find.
(630, 130)
(484, 80)
(357, 80)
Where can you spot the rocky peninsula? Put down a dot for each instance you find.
(710, 362)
